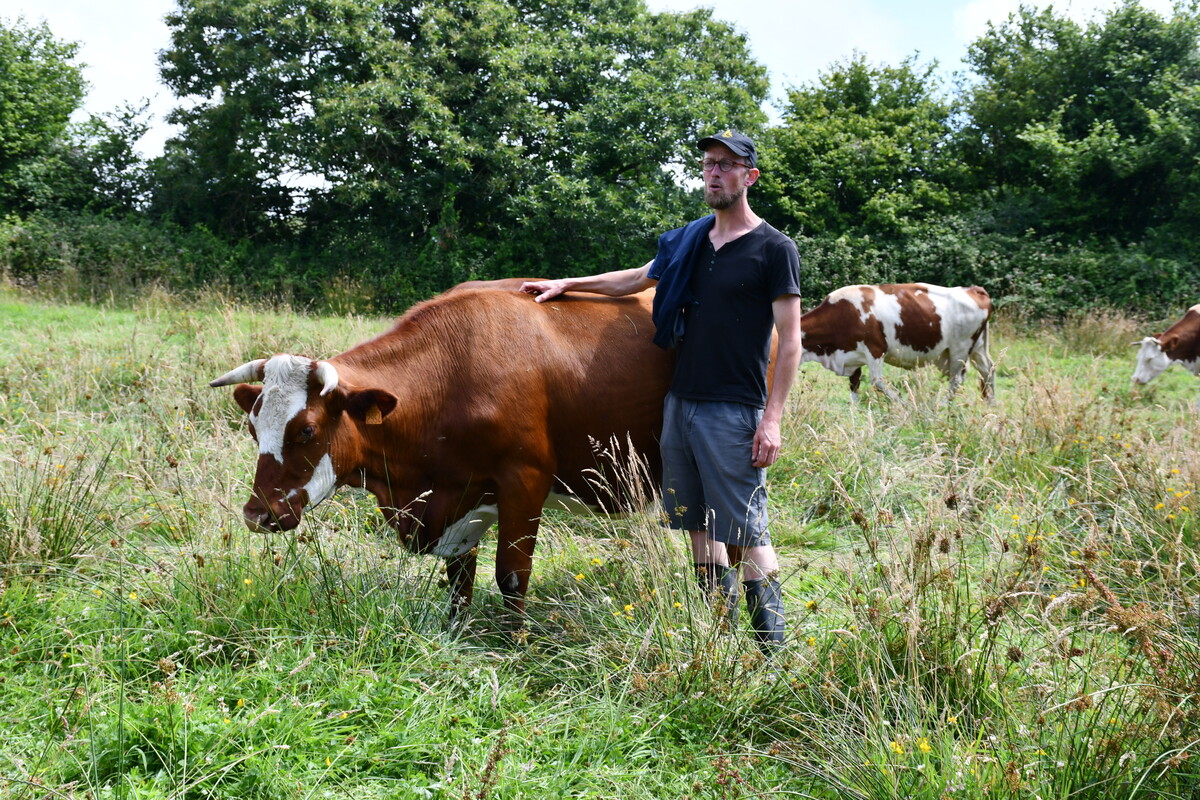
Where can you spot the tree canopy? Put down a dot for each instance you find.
(543, 129)
(862, 152)
(378, 152)
(40, 87)
(1088, 130)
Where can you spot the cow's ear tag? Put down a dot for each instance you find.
(374, 416)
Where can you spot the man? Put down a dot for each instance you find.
(722, 282)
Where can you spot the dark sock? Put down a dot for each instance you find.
(764, 603)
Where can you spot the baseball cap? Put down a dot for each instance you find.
(739, 143)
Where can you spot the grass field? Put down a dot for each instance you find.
(984, 600)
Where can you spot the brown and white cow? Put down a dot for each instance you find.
(1179, 344)
(904, 324)
(480, 405)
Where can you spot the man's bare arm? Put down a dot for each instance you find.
(614, 284)
(768, 440)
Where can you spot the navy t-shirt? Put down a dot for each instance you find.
(727, 337)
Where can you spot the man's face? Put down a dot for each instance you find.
(723, 189)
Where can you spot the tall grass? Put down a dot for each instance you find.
(984, 600)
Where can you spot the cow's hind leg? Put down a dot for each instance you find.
(855, 383)
(956, 371)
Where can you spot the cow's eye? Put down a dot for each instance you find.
(307, 433)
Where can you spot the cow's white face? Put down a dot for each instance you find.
(291, 422)
(297, 417)
(284, 397)
(1151, 361)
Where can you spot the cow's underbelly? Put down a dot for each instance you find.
(460, 536)
(908, 358)
(842, 362)
(571, 504)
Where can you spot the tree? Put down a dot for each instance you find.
(1090, 131)
(861, 152)
(40, 87)
(511, 130)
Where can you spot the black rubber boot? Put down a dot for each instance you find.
(764, 603)
(720, 578)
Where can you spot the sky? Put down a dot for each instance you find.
(795, 39)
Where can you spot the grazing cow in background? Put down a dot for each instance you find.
(1179, 344)
(478, 406)
(905, 324)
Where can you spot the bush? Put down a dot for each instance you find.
(347, 269)
(1034, 277)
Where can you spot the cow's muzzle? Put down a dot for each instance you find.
(261, 518)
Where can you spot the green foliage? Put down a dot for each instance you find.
(40, 87)
(861, 153)
(94, 169)
(517, 133)
(1092, 129)
(361, 157)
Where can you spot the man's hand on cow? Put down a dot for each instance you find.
(767, 443)
(543, 290)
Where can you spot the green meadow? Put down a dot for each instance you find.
(985, 600)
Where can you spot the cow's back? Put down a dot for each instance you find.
(511, 378)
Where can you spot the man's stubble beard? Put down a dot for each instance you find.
(719, 201)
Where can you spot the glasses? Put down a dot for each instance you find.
(726, 164)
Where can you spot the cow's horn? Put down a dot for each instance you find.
(250, 371)
(327, 376)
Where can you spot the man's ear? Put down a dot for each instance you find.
(246, 395)
(752, 176)
(370, 406)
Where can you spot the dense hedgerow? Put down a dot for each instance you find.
(105, 258)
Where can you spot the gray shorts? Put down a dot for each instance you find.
(709, 481)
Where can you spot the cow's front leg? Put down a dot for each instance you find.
(875, 368)
(460, 570)
(514, 563)
(520, 513)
